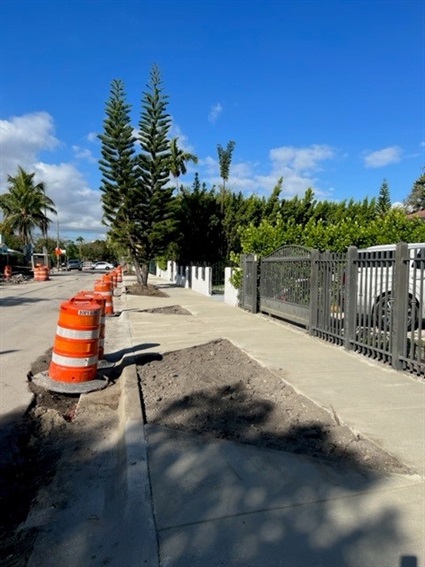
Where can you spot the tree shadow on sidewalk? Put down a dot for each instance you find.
(235, 482)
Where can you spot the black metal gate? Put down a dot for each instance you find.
(249, 295)
(285, 284)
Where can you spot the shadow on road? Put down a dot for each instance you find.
(12, 301)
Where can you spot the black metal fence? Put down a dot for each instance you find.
(249, 291)
(370, 301)
(285, 283)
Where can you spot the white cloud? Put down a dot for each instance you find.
(297, 166)
(300, 159)
(183, 140)
(78, 205)
(381, 158)
(215, 112)
(92, 137)
(22, 138)
(84, 154)
(210, 165)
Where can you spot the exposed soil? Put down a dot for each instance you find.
(16, 279)
(170, 310)
(151, 290)
(31, 464)
(215, 389)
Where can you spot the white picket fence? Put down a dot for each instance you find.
(200, 280)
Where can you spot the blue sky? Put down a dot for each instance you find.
(327, 94)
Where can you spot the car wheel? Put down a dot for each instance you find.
(412, 314)
(382, 314)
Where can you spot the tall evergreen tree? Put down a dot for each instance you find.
(118, 183)
(416, 199)
(155, 205)
(383, 204)
(272, 205)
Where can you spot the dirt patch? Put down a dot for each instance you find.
(17, 279)
(54, 436)
(38, 441)
(170, 310)
(151, 290)
(215, 389)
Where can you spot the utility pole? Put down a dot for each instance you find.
(57, 245)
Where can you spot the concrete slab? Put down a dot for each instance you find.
(223, 503)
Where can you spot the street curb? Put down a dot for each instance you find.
(141, 529)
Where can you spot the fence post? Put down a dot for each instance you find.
(350, 298)
(254, 308)
(314, 292)
(401, 294)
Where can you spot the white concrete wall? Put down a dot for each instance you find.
(202, 280)
(231, 294)
(161, 273)
(201, 283)
(167, 274)
(181, 277)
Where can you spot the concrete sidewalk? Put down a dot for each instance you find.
(221, 503)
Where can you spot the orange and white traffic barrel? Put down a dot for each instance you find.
(7, 273)
(119, 273)
(105, 289)
(75, 350)
(84, 296)
(109, 278)
(41, 273)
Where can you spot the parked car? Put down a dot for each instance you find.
(376, 285)
(102, 266)
(73, 265)
(87, 266)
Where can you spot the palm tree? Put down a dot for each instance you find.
(224, 160)
(80, 241)
(25, 206)
(178, 160)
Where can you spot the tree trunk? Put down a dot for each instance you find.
(144, 271)
(138, 271)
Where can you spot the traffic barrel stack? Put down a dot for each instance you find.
(86, 295)
(104, 287)
(73, 368)
(119, 273)
(114, 279)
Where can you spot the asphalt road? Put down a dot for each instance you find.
(28, 318)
